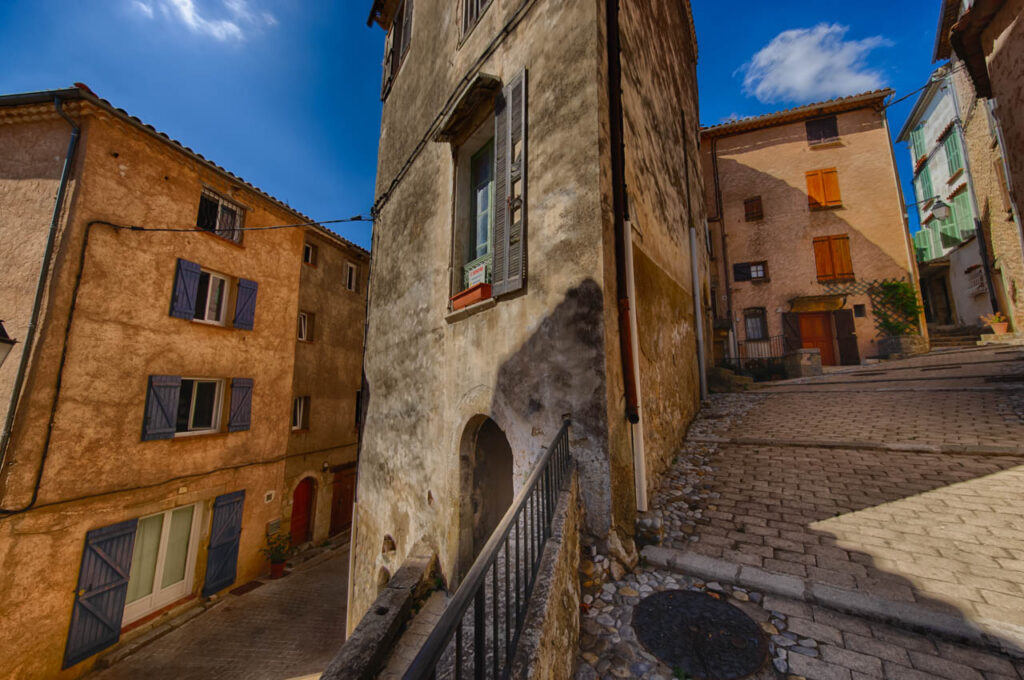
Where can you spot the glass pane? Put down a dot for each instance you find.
(216, 299)
(202, 296)
(202, 414)
(184, 405)
(147, 546)
(177, 546)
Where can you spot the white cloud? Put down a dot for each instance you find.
(805, 64)
(236, 22)
(143, 8)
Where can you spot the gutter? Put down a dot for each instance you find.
(44, 268)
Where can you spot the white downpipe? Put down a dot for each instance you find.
(636, 431)
(698, 315)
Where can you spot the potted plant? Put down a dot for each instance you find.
(279, 549)
(996, 321)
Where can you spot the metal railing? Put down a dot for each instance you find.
(769, 348)
(477, 635)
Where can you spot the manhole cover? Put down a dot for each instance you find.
(698, 634)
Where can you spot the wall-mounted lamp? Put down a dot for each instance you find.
(941, 210)
(6, 343)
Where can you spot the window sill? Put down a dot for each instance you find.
(300, 430)
(197, 433)
(827, 144)
(220, 238)
(955, 176)
(460, 314)
(819, 208)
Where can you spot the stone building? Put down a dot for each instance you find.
(508, 273)
(985, 43)
(146, 450)
(806, 216)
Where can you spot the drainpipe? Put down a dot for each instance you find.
(637, 429)
(698, 307)
(44, 268)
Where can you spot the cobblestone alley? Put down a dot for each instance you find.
(889, 492)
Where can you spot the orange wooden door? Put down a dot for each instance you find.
(816, 331)
(344, 494)
(302, 505)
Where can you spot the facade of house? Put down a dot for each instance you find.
(147, 451)
(984, 41)
(956, 275)
(806, 219)
(511, 135)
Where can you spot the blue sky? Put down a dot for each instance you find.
(285, 93)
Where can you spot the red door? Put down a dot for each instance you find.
(816, 331)
(344, 494)
(302, 505)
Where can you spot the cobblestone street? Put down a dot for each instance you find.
(892, 491)
(288, 628)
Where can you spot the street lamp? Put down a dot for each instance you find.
(6, 343)
(940, 209)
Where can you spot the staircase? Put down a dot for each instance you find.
(954, 337)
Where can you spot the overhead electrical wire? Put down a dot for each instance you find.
(132, 227)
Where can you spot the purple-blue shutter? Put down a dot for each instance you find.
(161, 407)
(240, 417)
(245, 304)
(102, 588)
(186, 287)
(225, 532)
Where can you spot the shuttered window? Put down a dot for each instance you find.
(396, 45)
(240, 413)
(832, 258)
(822, 130)
(186, 288)
(924, 183)
(750, 271)
(752, 209)
(161, 407)
(954, 159)
(823, 189)
(917, 142)
(755, 322)
(962, 215)
(245, 305)
(510, 182)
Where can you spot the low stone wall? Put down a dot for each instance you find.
(550, 637)
(802, 363)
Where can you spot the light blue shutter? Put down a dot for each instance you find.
(240, 417)
(161, 407)
(186, 287)
(245, 304)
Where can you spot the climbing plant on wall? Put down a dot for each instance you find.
(893, 303)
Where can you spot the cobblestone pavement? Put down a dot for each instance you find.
(817, 496)
(284, 629)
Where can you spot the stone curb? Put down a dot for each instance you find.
(1005, 637)
(900, 447)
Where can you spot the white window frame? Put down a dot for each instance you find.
(300, 413)
(351, 277)
(304, 329)
(218, 408)
(161, 597)
(309, 254)
(224, 299)
(234, 234)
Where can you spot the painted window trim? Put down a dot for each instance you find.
(222, 321)
(300, 408)
(305, 333)
(351, 277)
(311, 249)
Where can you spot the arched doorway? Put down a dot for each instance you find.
(486, 481)
(302, 510)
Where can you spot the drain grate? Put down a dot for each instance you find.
(700, 635)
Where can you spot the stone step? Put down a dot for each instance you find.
(999, 635)
(416, 633)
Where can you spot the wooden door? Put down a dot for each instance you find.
(816, 331)
(343, 496)
(302, 506)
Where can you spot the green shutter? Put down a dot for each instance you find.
(917, 141)
(925, 180)
(962, 215)
(954, 159)
(510, 152)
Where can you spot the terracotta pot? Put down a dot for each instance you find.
(471, 295)
(999, 328)
(276, 569)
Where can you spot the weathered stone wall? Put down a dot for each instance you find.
(771, 163)
(1003, 44)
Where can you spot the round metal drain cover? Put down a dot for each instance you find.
(699, 634)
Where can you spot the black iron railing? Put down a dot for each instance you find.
(477, 635)
(759, 350)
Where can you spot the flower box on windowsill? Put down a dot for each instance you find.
(471, 295)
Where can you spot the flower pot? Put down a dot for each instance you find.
(471, 295)
(276, 569)
(999, 328)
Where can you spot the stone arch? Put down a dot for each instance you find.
(485, 486)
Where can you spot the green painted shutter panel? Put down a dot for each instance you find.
(245, 304)
(240, 415)
(515, 210)
(102, 586)
(161, 407)
(954, 159)
(962, 214)
(925, 179)
(499, 258)
(186, 288)
(917, 141)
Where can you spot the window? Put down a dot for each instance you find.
(860, 311)
(396, 44)
(472, 10)
(924, 181)
(219, 216)
(306, 326)
(750, 271)
(752, 209)
(351, 276)
(199, 406)
(309, 253)
(479, 218)
(954, 159)
(755, 323)
(832, 258)
(300, 413)
(917, 143)
(210, 298)
(963, 217)
(823, 189)
(822, 130)
(163, 561)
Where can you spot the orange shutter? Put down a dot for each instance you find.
(830, 180)
(823, 259)
(841, 257)
(815, 189)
